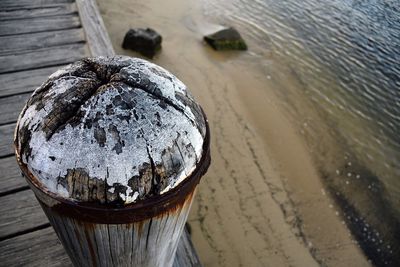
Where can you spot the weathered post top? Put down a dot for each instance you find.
(113, 130)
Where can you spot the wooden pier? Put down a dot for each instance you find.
(36, 38)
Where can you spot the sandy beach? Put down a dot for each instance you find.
(262, 202)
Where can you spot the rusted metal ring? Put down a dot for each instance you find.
(112, 214)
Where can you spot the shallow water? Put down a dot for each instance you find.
(345, 57)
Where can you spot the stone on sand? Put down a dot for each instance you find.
(226, 39)
(145, 41)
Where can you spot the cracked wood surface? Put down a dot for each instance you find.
(111, 130)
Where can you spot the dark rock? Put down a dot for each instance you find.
(145, 41)
(226, 39)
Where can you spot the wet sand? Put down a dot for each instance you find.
(262, 203)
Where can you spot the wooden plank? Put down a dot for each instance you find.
(20, 211)
(11, 106)
(33, 12)
(6, 139)
(11, 44)
(9, 27)
(51, 56)
(11, 178)
(96, 33)
(35, 249)
(23, 4)
(24, 81)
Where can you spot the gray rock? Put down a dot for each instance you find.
(145, 41)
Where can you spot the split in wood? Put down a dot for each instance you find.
(111, 130)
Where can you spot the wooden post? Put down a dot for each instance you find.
(113, 149)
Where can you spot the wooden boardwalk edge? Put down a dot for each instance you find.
(96, 34)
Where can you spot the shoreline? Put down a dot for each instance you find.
(315, 207)
(262, 201)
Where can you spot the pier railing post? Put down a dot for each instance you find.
(113, 149)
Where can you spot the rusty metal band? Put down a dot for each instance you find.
(151, 207)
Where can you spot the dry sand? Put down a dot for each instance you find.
(262, 202)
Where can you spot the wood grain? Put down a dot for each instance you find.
(33, 12)
(40, 24)
(24, 81)
(186, 254)
(11, 107)
(51, 56)
(96, 33)
(16, 43)
(36, 249)
(43, 248)
(23, 4)
(10, 178)
(19, 212)
(150, 242)
(6, 139)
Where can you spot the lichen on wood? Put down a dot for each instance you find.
(111, 130)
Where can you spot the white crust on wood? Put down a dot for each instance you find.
(111, 129)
